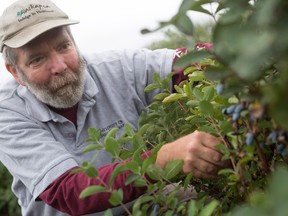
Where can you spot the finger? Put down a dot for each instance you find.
(212, 156)
(200, 174)
(207, 139)
(201, 166)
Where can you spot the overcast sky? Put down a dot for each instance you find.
(112, 24)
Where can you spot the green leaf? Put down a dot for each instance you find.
(140, 201)
(184, 24)
(110, 134)
(188, 5)
(155, 172)
(226, 171)
(108, 212)
(148, 162)
(143, 129)
(208, 209)
(197, 94)
(192, 208)
(129, 130)
(152, 87)
(245, 159)
(92, 190)
(156, 77)
(196, 76)
(178, 89)
(187, 180)
(85, 164)
(94, 134)
(112, 146)
(77, 170)
(137, 142)
(173, 168)
(161, 96)
(188, 90)
(214, 73)
(91, 171)
(209, 93)
(117, 170)
(133, 166)
(116, 197)
(191, 58)
(206, 108)
(173, 97)
(192, 103)
(191, 69)
(140, 183)
(93, 147)
(196, 120)
(131, 178)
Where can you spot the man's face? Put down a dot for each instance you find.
(52, 69)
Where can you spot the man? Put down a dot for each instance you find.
(58, 94)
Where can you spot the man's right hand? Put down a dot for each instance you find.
(198, 152)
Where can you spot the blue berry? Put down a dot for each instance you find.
(235, 116)
(284, 153)
(239, 108)
(280, 147)
(230, 109)
(219, 88)
(155, 209)
(272, 137)
(249, 138)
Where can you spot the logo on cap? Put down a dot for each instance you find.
(32, 10)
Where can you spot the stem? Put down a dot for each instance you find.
(242, 180)
(183, 108)
(263, 159)
(224, 139)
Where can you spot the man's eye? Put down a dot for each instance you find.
(65, 46)
(36, 61)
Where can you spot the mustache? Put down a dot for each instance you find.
(63, 79)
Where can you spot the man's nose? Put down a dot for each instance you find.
(57, 64)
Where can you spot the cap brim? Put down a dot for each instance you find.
(28, 34)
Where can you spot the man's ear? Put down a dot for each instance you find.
(12, 70)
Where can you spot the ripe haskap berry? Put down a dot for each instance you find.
(235, 116)
(272, 137)
(230, 109)
(219, 88)
(155, 209)
(284, 153)
(239, 108)
(249, 138)
(280, 147)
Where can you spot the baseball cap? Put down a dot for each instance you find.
(24, 20)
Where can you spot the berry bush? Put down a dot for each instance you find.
(237, 91)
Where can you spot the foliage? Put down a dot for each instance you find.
(8, 201)
(236, 91)
(174, 39)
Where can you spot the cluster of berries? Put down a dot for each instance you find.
(234, 110)
(256, 111)
(279, 138)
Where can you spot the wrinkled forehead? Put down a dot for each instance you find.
(54, 34)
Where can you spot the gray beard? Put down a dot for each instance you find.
(63, 91)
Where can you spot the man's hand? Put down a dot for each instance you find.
(198, 151)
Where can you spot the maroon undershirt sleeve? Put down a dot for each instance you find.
(63, 193)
